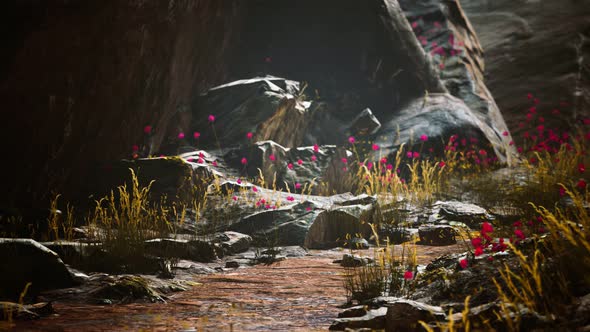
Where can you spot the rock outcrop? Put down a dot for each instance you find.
(536, 47)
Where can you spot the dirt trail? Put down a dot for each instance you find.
(297, 294)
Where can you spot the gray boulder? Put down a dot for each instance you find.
(437, 235)
(24, 261)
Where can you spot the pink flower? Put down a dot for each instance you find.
(561, 191)
(483, 152)
(201, 160)
(249, 135)
(308, 208)
(511, 143)
(244, 161)
(423, 138)
(441, 164)
(351, 140)
(290, 166)
(344, 169)
(254, 189)
(389, 167)
(375, 147)
(414, 25)
(314, 158)
(135, 148)
(196, 135)
(239, 181)
(476, 242)
(369, 165)
(408, 275)
(529, 96)
(147, 129)
(201, 155)
(297, 185)
(299, 162)
(437, 24)
(581, 184)
(211, 118)
(344, 160)
(581, 168)
(486, 227)
(478, 251)
(463, 263)
(383, 160)
(519, 234)
(180, 135)
(505, 133)
(235, 198)
(409, 154)
(272, 157)
(415, 154)
(290, 198)
(214, 163)
(189, 159)
(316, 148)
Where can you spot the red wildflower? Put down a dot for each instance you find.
(478, 251)
(290, 198)
(351, 140)
(441, 164)
(314, 158)
(486, 227)
(244, 161)
(135, 148)
(196, 135)
(463, 263)
(519, 234)
(505, 133)
(408, 275)
(147, 129)
(297, 185)
(316, 148)
(375, 147)
(249, 135)
(235, 198)
(344, 160)
(290, 166)
(180, 135)
(299, 162)
(581, 168)
(581, 184)
(211, 118)
(272, 157)
(423, 138)
(415, 154)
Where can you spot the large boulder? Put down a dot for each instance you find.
(24, 261)
(268, 107)
(447, 36)
(537, 47)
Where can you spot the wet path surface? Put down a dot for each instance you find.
(297, 294)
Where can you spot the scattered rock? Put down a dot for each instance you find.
(403, 315)
(469, 214)
(437, 235)
(25, 260)
(331, 228)
(349, 260)
(364, 124)
(373, 319)
(235, 242)
(127, 289)
(232, 265)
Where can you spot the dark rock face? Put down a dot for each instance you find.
(23, 261)
(537, 47)
(77, 89)
(447, 36)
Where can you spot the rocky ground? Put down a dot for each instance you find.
(298, 293)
